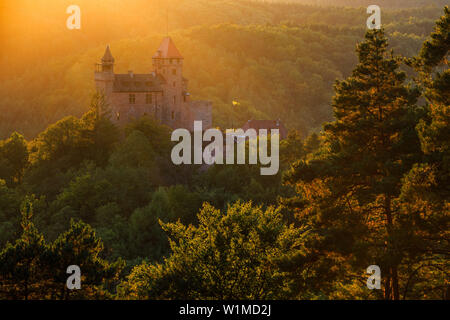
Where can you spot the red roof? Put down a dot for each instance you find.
(167, 50)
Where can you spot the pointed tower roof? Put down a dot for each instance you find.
(107, 57)
(167, 49)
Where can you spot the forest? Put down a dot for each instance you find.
(364, 172)
(225, 45)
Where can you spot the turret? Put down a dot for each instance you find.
(104, 74)
(108, 61)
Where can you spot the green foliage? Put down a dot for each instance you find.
(80, 246)
(157, 134)
(276, 59)
(60, 150)
(347, 190)
(135, 151)
(70, 141)
(32, 269)
(22, 263)
(146, 237)
(433, 61)
(426, 188)
(228, 256)
(10, 201)
(371, 188)
(434, 51)
(13, 158)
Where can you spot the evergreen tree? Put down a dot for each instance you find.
(32, 269)
(13, 158)
(80, 246)
(10, 200)
(347, 191)
(426, 189)
(22, 264)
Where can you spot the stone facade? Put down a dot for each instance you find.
(162, 94)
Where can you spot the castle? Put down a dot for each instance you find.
(161, 94)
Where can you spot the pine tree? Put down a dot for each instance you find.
(347, 192)
(433, 65)
(426, 188)
(21, 264)
(13, 158)
(32, 269)
(80, 246)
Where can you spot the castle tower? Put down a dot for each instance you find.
(104, 74)
(161, 94)
(168, 63)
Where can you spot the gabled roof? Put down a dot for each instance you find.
(167, 50)
(107, 57)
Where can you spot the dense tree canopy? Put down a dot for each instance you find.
(276, 59)
(362, 182)
(237, 255)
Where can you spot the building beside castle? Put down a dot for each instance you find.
(268, 125)
(162, 93)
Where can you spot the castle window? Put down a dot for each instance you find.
(174, 71)
(148, 98)
(132, 98)
(173, 115)
(174, 99)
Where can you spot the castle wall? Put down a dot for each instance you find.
(199, 110)
(172, 71)
(171, 104)
(123, 111)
